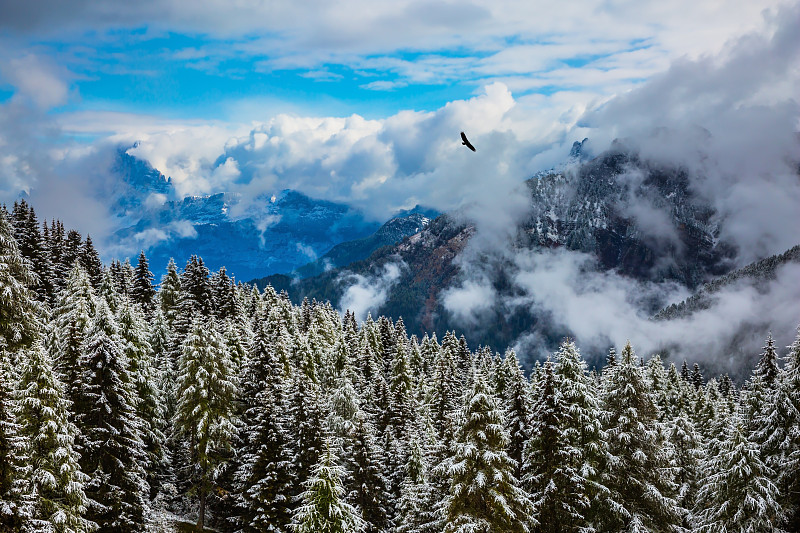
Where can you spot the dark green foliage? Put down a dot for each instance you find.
(18, 309)
(484, 495)
(110, 443)
(636, 471)
(142, 291)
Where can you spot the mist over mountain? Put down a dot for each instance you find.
(275, 233)
(604, 245)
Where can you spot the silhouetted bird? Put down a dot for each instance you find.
(465, 142)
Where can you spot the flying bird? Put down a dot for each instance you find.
(465, 142)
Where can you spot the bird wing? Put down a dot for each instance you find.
(466, 142)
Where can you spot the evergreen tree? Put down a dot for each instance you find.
(54, 481)
(517, 401)
(12, 459)
(737, 493)
(18, 308)
(484, 495)
(551, 467)
(169, 292)
(414, 511)
(767, 368)
(696, 377)
(71, 317)
(89, 259)
(108, 291)
(142, 291)
(263, 478)
(368, 484)
(789, 476)
(305, 417)
(223, 294)
(146, 380)
(206, 404)
(110, 444)
(636, 473)
(70, 251)
(322, 509)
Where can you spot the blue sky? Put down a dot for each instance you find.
(355, 101)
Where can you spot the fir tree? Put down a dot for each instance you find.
(737, 493)
(142, 291)
(110, 444)
(305, 417)
(18, 308)
(369, 486)
(90, 261)
(71, 317)
(12, 459)
(636, 472)
(53, 476)
(551, 468)
(146, 380)
(484, 495)
(206, 405)
(223, 294)
(322, 509)
(169, 292)
(263, 478)
(517, 401)
(789, 476)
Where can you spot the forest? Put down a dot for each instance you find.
(124, 402)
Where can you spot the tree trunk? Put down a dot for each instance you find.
(201, 519)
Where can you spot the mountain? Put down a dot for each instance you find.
(757, 274)
(272, 233)
(637, 219)
(393, 231)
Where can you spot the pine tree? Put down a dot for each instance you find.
(551, 467)
(223, 294)
(414, 509)
(305, 417)
(109, 292)
(789, 476)
(517, 402)
(636, 472)
(169, 292)
(737, 492)
(90, 261)
(18, 308)
(206, 404)
(263, 478)
(368, 484)
(767, 368)
(12, 458)
(696, 377)
(71, 317)
(582, 423)
(142, 291)
(110, 444)
(146, 380)
(484, 495)
(54, 480)
(322, 509)
(686, 459)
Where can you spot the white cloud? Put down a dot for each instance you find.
(366, 293)
(37, 79)
(470, 301)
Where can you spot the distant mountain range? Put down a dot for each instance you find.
(272, 234)
(590, 208)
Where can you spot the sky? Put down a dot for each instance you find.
(359, 102)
